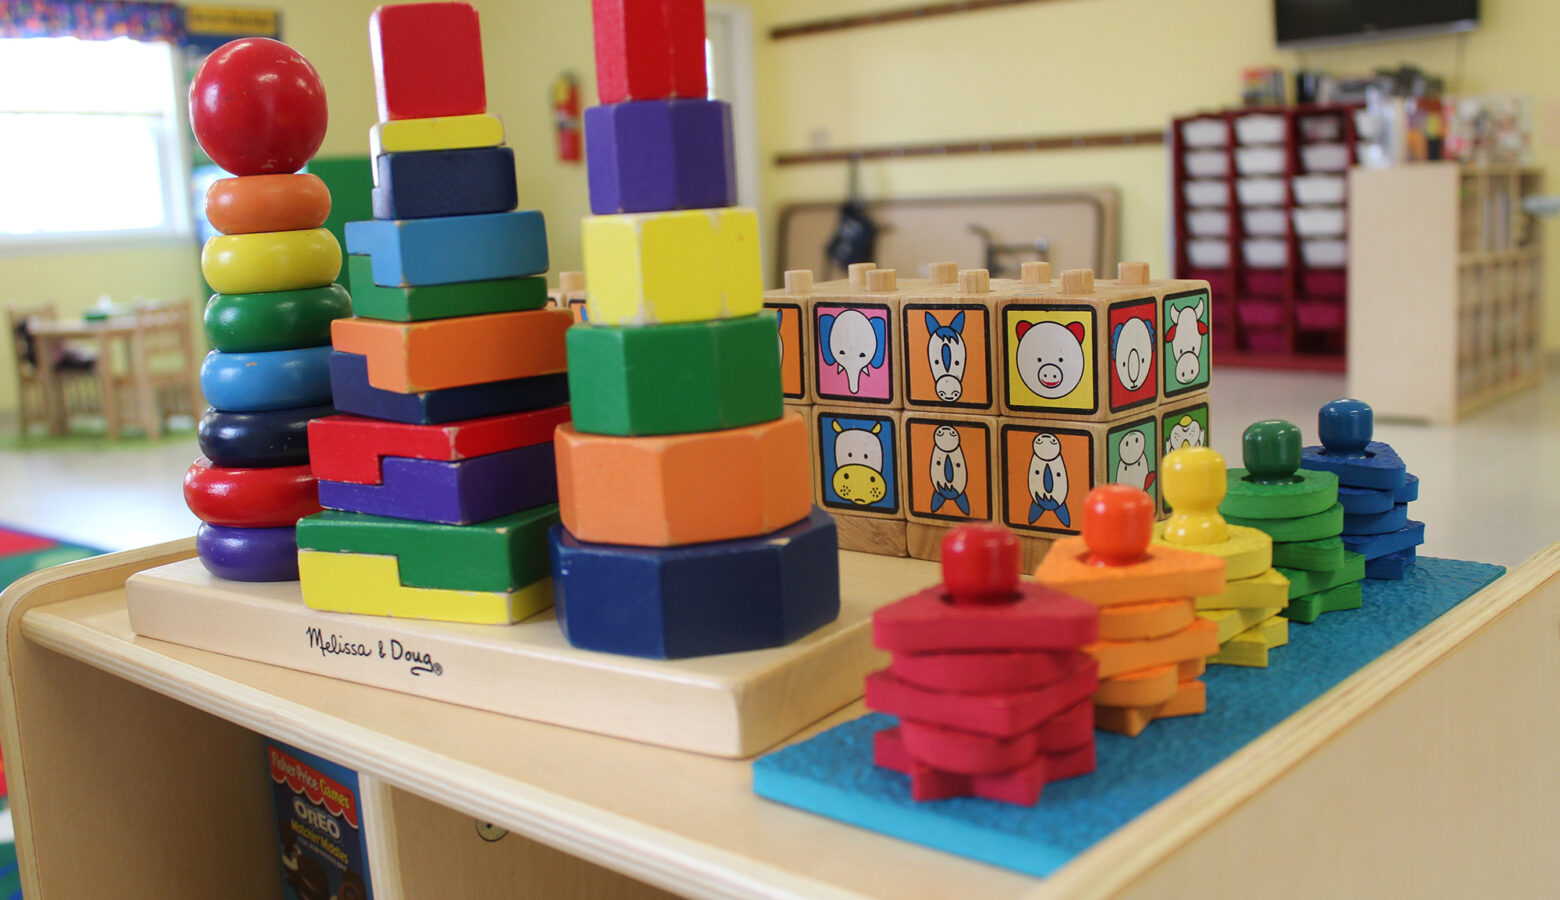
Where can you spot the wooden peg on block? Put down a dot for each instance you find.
(798, 281)
(1272, 485)
(856, 273)
(882, 280)
(1133, 274)
(943, 272)
(1078, 281)
(1034, 273)
(974, 281)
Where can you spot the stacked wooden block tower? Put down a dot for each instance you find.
(688, 526)
(1375, 490)
(274, 269)
(439, 475)
(960, 398)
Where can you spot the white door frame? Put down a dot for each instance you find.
(730, 30)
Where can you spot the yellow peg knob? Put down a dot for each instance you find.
(1194, 483)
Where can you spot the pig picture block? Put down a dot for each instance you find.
(857, 462)
(949, 463)
(1046, 467)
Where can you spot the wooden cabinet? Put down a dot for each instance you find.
(136, 770)
(1446, 288)
(1259, 213)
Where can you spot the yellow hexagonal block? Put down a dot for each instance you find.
(271, 261)
(685, 266)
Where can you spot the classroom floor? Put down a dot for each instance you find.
(1488, 491)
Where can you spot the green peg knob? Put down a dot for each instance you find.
(1270, 450)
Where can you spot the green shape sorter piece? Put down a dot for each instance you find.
(1328, 523)
(1321, 555)
(1310, 493)
(1302, 582)
(1305, 610)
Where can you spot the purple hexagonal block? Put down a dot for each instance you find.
(657, 155)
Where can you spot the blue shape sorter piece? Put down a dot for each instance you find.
(1375, 546)
(698, 599)
(353, 394)
(1409, 492)
(1393, 519)
(266, 380)
(1345, 427)
(429, 183)
(1357, 501)
(457, 492)
(451, 249)
(833, 775)
(1392, 566)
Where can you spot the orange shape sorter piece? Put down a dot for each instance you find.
(1145, 687)
(675, 489)
(432, 355)
(1141, 621)
(1191, 699)
(1197, 640)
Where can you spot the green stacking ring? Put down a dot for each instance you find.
(275, 320)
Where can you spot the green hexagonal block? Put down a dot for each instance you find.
(675, 379)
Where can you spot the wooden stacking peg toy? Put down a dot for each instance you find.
(1195, 482)
(987, 678)
(1376, 488)
(1345, 427)
(1272, 485)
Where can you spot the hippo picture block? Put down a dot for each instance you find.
(1046, 467)
(857, 462)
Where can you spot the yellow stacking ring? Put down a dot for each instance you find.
(271, 261)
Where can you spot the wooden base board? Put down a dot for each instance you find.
(732, 705)
(925, 542)
(880, 537)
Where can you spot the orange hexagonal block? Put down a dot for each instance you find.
(676, 489)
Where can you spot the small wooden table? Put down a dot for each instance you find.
(47, 336)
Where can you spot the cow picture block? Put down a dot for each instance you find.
(858, 462)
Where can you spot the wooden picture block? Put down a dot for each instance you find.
(427, 60)
(857, 461)
(1183, 424)
(950, 463)
(790, 307)
(412, 357)
(924, 541)
(1046, 467)
(683, 266)
(949, 338)
(853, 329)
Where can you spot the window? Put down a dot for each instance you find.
(89, 141)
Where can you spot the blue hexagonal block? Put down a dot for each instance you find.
(698, 599)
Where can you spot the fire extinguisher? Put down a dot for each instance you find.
(566, 116)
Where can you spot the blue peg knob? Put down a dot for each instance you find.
(1345, 427)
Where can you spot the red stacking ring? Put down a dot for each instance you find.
(250, 498)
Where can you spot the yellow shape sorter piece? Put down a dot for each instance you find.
(685, 266)
(1194, 482)
(436, 133)
(1250, 647)
(370, 585)
(1232, 622)
(1266, 589)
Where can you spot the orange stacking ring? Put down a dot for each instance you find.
(256, 203)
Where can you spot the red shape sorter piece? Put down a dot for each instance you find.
(350, 448)
(427, 60)
(649, 49)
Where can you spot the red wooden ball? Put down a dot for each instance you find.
(980, 564)
(1118, 521)
(258, 107)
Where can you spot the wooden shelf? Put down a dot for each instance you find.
(136, 770)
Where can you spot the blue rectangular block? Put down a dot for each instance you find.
(464, 182)
(1392, 567)
(1375, 546)
(352, 393)
(452, 493)
(657, 155)
(1393, 519)
(452, 249)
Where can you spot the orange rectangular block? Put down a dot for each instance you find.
(1199, 639)
(675, 489)
(432, 355)
(1191, 699)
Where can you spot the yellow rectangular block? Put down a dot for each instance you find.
(370, 585)
(684, 266)
(437, 133)
(1232, 622)
(1251, 647)
(1268, 589)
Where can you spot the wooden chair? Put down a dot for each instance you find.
(79, 380)
(163, 373)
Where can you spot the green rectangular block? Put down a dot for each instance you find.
(1305, 610)
(683, 378)
(440, 301)
(500, 554)
(1322, 555)
(1302, 582)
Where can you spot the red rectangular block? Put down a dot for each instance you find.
(349, 448)
(427, 60)
(649, 49)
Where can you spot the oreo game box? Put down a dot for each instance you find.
(319, 821)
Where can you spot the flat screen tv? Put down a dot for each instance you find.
(1315, 23)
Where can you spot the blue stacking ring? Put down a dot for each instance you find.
(277, 437)
(248, 554)
(273, 379)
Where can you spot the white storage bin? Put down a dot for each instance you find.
(1260, 128)
(1325, 157)
(1208, 254)
(1325, 253)
(1208, 223)
(1205, 193)
(1319, 221)
(1259, 160)
(1203, 133)
(1206, 164)
(1318, 189)
(1263, 222)
(1260, 191)
(1266, 253)
(1321, 128)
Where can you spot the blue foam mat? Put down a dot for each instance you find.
(832, 774)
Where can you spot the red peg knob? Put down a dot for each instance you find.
(1118, 521)
(980, 565)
